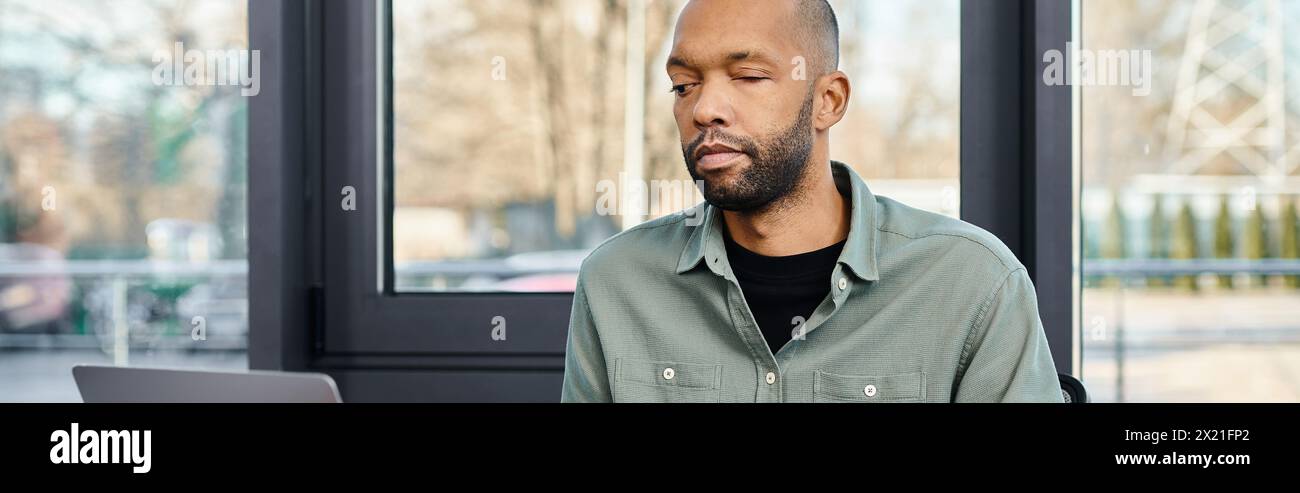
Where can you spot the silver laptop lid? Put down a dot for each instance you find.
(110, 384)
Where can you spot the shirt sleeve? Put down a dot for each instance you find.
(1006, 353)
(585, 378)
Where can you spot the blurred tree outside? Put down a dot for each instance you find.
(1254, 240)
(1112, 246)
(1290, 241)
(1223, 239)
(86, 119)
(1184, 245)
(1158, 238)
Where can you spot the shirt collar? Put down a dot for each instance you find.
(859, 254)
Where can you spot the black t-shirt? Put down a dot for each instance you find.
(778, 289)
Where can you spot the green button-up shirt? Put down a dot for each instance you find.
(922, 308)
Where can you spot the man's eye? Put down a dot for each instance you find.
(751, 79)
(680, 89)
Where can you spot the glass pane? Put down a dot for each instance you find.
(510, 117)
(122, 206)
(1191, 285)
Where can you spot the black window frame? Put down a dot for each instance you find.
(317, 301)
(1018, 170)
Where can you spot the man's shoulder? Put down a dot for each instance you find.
(654, 244)
(909, 229)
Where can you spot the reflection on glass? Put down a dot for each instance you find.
(122, 208)
(510, 124)
(1191, 269)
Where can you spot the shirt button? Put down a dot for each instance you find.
(844, 284)
(669, 373)
(870, 391)
(771, 378)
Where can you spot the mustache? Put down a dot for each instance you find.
(743, 144)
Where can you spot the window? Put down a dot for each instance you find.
(1190, 142)
(511, 121)
(122, 194)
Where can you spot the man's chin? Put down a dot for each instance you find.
(731, 206)
(732, 202)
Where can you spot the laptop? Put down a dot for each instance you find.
(112, 384)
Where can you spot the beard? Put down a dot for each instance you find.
(777, 165)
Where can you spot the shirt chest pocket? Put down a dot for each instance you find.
(833, 387)
(664, 381)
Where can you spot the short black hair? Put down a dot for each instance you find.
(819, 28)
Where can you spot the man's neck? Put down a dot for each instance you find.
(814, 216)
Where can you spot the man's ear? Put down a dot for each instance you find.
(832, 93)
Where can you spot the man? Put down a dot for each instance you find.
(794, 283)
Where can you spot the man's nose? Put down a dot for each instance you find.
(713, 108)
